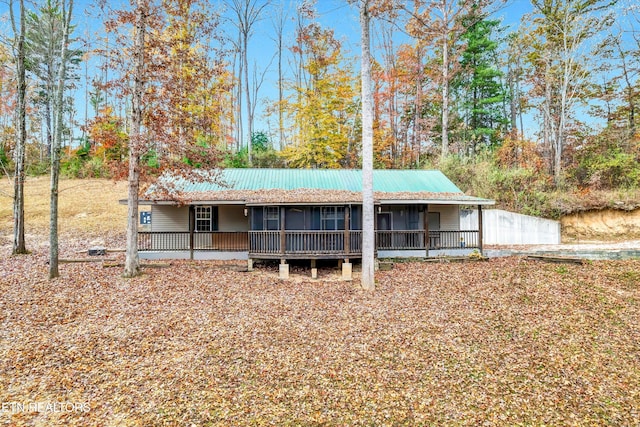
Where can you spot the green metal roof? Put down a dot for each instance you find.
(310, 186)
(384, 180)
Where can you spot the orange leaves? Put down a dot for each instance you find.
(519, 152)
(107, 134)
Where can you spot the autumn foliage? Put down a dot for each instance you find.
(107, 136)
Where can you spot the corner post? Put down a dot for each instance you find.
(480, 237)
(192, 223)
(283, 236)
(347, 231)
(425, 221)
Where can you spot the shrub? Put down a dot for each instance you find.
(37, 168)
(71, 168)
(94, 168)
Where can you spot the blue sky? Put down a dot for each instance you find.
(336, 14)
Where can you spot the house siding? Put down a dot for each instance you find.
(169, 218)
(231, 218)
(449, 216)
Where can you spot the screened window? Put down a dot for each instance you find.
(332, 218)
(271, 218)
(356, 218)
(265, 218)
(205, 218)
(413, 218)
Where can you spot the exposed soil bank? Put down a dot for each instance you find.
(606, 224)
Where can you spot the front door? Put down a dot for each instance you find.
(295, 219)
(384, 221)
(434, 230)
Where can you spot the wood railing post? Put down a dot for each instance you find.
(347, 226)
(480, 228)
(283, 236)
(192, 221)
(425, 221)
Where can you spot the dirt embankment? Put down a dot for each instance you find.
(606, 224)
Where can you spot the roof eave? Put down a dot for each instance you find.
(471, 201)
(483, 202)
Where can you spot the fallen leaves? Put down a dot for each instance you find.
(504, 342)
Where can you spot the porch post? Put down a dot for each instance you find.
(375, 228)
(425, 221)
(192, 221)
(347, 227)
(480, 228)
(283, 237)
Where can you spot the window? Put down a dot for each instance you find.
(265, 218)
(271, 218)
(256, 218)
(332, 218)
(205, 218)
(356, 218)
(413, 218)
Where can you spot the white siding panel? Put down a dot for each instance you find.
(231, 218)
(169, 218)
(449, 216)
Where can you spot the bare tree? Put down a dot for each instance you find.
(248, 12)
(19, 245)
(58, 114)
(439, 23)
(514, 77)
(561, 64)
(278, 24)
(368, 228)
(132, 260)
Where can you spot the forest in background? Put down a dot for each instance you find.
(454, 89)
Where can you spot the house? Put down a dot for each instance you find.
(307, 214)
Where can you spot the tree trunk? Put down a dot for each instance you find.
(132, 261)
(239, 118)
(513, 118)
(247, 91)
(53, 211)
(19, 245)
(368, 230)
(48, 120)
(417, 119)
(280, 30)
(58, 113)
(547, 127)
(445, 96)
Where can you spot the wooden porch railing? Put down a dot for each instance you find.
(454, 239)
(233, 241)
(307, 242)
(414, 239)
(163, 241)
(400, 239)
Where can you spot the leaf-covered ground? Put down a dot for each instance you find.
(505, 342)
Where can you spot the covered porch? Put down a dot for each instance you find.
(312, 232)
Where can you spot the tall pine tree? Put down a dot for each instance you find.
(480, 91)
